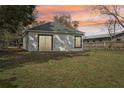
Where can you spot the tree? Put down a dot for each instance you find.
(111, 25)
(75, 24)
(66, 21)
(114, 16)
(14, 19)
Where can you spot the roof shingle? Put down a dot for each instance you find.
(52, 26)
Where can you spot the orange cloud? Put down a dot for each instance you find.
(91, 23)
(54, 8)
(82, 13)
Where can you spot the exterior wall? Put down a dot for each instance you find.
(32, 41)
(25, 42)
(119, 37)
(61, 42)
(65, 43)
(96, 40)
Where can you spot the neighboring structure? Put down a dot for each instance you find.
(53, 36)
(96, 38)
(104, 41)
(103, 38)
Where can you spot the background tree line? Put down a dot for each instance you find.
(13, 19)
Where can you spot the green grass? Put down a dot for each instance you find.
(96, 68)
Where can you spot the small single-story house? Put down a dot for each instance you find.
(103, 38)
(53, 36)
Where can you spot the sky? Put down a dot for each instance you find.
(91, 22)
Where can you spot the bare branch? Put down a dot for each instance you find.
(114, 17)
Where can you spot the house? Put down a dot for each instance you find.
(104, 38)
(53, 36)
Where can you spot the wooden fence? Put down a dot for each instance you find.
(115, 44)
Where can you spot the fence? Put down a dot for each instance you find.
(108, 44)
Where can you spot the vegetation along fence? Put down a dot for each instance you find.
(108, 44)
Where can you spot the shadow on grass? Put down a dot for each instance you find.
(16, 58)
(8, 83)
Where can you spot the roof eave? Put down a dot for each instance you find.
(54, 32)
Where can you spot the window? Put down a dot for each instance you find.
(118, 39)
(93, 41)
(78, 42)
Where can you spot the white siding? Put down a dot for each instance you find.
(33, 42)
(61, 42)
(25, 42)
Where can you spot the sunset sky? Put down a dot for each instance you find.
(90, 22)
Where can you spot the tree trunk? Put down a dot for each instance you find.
(4, 44)
(19, 43)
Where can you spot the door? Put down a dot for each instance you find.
(45, 43)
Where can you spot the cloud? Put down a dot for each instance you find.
(82, 13)
(90, 21)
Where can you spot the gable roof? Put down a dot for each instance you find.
(54, 27)
(103, 36)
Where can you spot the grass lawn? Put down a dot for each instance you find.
(96, 68)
